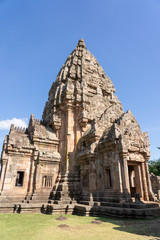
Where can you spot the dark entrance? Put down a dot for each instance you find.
(19, 179)
(108, 183)
(131, 173)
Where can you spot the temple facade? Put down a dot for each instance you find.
(85, 148)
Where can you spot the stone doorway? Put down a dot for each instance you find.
(134, 179)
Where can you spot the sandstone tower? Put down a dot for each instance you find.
(85, 149)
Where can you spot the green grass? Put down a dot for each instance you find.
(45, 227)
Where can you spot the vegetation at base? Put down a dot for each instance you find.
(154, 167)
(46, 227)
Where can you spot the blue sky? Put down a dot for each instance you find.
(37, 36)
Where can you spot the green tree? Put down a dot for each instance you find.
(154, 167)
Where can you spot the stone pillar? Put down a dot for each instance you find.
(69, 145)
(119, 173)
(125, 177)
(158, 195)
(37, 178)
(67, 157)
(145, 187)
(151, 194)
(93, 176)
(140, 181)
(70, 139)
(3, 173)
(63, 140)
(31, 176)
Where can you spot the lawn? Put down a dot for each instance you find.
(46, 227)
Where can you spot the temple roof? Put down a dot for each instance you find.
(81, 43)
(81, 82)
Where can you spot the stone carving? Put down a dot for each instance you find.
(85, 149)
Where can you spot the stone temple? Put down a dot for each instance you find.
(86, 155)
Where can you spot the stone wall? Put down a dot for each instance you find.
(155, 181)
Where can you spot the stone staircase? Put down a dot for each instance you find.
(63, 193)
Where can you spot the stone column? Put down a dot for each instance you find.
(36, 176)
(3, 173)
(92, 176)
(145, 187)
(70, 138)
(38, 179)
(119, 165)
(31, 176)
(125, 177)
(67, 158)
(63, 140)
(140, 182)
(151, 194)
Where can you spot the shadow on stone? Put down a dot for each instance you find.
(43, 210)
(49, 209)
(19, 209)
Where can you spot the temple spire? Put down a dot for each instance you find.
(81, 44)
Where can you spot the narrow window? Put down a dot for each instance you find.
(108, 183)
(44, 181)
(19, 179)
(47, 181)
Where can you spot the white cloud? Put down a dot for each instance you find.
(5, 124)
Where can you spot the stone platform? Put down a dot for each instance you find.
(125, 210)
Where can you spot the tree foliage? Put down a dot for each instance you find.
(154, 167)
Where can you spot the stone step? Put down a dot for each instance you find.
(105, 199)
(130, 212)
(117, 211)
(64, 201)
(150, 210)
(130, 205)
